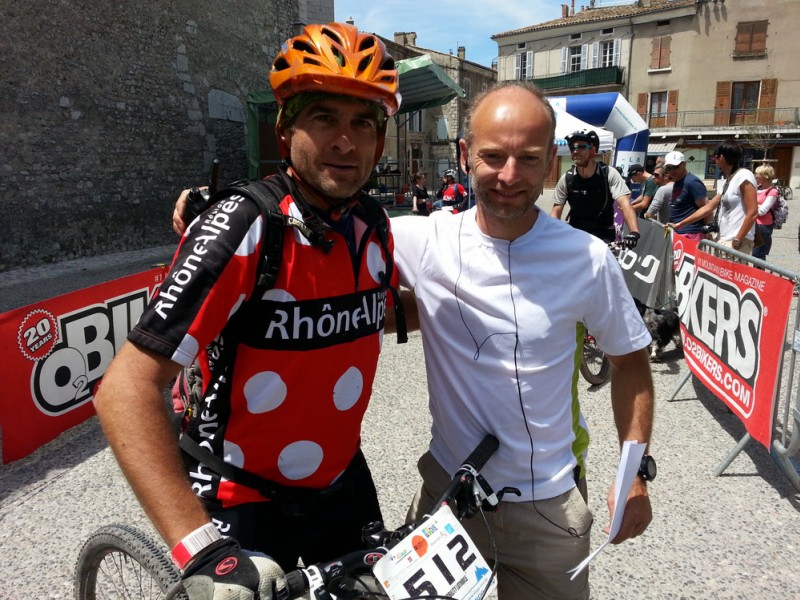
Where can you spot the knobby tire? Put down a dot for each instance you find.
(121, 562)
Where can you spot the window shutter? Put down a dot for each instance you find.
(517, 66)
(529, 65)
(672, 108)
(769, 94)
(655, 53)
(744, 33)
(641, 105)
(758, 40)
(584, 57)
(722, 104)
(595, 55)
(666, 49)
(565, 60)
(617, 52)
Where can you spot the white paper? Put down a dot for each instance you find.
(629, 461)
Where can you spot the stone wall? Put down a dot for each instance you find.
(108, 110)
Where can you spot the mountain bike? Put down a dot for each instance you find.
(783, 189)
(118, 561)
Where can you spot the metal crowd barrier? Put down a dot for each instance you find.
(786, 444)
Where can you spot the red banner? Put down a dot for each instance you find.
(55, 353)
(733, 324)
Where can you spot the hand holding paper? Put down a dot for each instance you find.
(630, 459)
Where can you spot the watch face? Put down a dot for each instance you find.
(648, 470)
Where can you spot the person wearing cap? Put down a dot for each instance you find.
(637, 174)
(689, 194)
(591, 189)
(734, 209)
(282, 401)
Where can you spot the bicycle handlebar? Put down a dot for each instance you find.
(327, 574)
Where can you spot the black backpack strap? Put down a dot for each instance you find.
(374, 213)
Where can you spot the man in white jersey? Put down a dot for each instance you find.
(504, 291)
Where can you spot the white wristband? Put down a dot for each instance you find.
(193, 543)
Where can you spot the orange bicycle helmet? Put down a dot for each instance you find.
(338, 59)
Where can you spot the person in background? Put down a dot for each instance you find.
(689, 195)
(505, 292)
(767, 195)
(451, 193)
(419, 195)
(659, 207)
(648, 187)
(591, 188)
(735, 209)
(279, 421)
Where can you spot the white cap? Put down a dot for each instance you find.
(674, 158)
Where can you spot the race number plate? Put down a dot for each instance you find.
(436, 559)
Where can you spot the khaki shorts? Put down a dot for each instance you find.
(535, 548)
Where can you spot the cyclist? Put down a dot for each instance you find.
(591, 189)
(451, 193)
(263, 414)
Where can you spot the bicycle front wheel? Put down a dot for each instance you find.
(121, 562)
(595, 366)
(787, 192)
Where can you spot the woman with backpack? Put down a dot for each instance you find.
(767, 197)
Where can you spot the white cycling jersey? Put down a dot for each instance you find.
(501, 336)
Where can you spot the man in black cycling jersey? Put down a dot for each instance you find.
(283, 393)
(591, 189)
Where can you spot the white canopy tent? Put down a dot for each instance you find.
(566, 124)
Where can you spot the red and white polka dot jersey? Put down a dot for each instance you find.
(286, 378)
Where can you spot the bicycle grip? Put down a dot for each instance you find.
(483, 452)
(296, 584)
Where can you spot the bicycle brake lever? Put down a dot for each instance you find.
(508, 490)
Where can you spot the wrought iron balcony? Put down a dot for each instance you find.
(775, 119)
(581, 79)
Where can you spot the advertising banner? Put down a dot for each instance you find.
(733, 324)
(56, 351)
(648, 267)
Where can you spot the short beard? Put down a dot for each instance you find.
(502, 213)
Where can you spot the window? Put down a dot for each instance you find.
(658, 104)
(467, 85)
(574, 59)
(523, 67)
(660, 54)
(608, 54)
(575, 36)
(415, 121)
(751, 38)
(607, 31)
(744, 101)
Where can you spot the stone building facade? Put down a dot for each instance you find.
(107, 112)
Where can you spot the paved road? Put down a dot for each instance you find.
(729, 537)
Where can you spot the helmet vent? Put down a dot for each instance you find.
(302, 46)
(366, 43)
(365, 62)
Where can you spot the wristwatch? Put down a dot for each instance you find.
(647, 468)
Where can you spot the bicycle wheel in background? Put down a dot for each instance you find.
(787, 192)
(121, 562)
(595, 367)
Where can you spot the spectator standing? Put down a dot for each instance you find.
(648, 186)
(689, 194)
(419, 195)
(504, 291)
(659, 207)
(767, 196)
(735, 209)
(591, 188)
